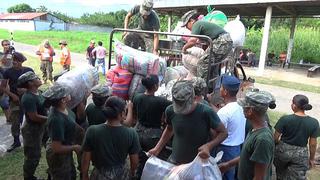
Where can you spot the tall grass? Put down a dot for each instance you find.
(78, 41)
(306, 42)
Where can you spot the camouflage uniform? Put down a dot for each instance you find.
(199, 86)
(291, 161)
(221, 47)
(119, 173)
(32, 132)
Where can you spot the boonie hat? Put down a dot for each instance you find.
(146, 7)
(56, 91)
(257, 99)
(182, 96)
(199, 85)
(101, 90)
(230, 82)
(28, 76)
(186, 17)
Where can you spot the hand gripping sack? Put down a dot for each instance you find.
(237, 31)
(156, 169)
(198, 169)
(79, 81)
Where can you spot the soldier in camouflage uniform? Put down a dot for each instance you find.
(292, 134)
(222, 42)
(34, 125)
(61, 130)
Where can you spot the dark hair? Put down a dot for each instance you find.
(232, 92)
(51, 102)
(98, 100)
(99, 43)
(272, 105)
(302, 102)
(194, 17)
(113, 107)
(5, 40)
(150, 81)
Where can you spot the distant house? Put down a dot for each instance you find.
(31, 22)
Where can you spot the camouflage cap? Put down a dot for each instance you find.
(56, 91)
(18, 57)
(199, 85)
(257, 99)
(101, 90)
(186, 17)
(182, 96)
(28, 76)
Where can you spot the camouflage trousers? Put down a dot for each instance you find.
(32, 134)
(221, 47)
(291, 162)
(114, 173)
(60, 166)
(46, 69)
(139, 40)
(15, 118)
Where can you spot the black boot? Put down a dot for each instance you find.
(16, 144)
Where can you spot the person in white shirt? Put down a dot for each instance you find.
(100, 53)
(232, 117)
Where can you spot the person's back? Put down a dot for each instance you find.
(206, 28)
(296, 130)
(110, 145)
(100, 52)
(95, 114)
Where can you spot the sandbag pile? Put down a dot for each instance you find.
(79, 81)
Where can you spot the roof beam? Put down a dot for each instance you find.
(288, 10)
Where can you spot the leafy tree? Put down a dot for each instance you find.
(20, 8)
(42, 8)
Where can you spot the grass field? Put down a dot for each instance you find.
(78, 41)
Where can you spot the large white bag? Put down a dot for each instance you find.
(191, 58)
(176, 72)
(156, 169)
(198, 169)
(237, 31)
(79, 81)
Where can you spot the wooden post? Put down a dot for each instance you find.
(265, 39)
(291, 39)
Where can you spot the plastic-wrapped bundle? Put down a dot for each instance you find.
(119, 80)
(180, 30)
(136, 61)
(216, 17)
(237, 31)
(202, 169)
(175, 72)
(79, 81)
(136, 86)
(156, 169)
(162, 69)
(166, 90)
(190, 60)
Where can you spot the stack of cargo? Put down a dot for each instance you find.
(132, 66)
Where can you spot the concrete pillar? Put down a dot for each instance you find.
(291, 39)
(169, 22)
(265, 39)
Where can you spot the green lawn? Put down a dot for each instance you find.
(78, 41)
(287, 84)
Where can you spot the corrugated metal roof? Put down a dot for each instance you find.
(20, 16)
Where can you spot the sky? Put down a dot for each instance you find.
(74, 8)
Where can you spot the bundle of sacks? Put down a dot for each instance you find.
(132, 66)
(80, 81)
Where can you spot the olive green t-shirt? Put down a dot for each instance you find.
(61, 126)
(152, 23)
(206, 28)
(296, 130)
(95, 115)
(257, 148)
(190, 131)
(33, 103)
(149, 109)
(109, 146)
